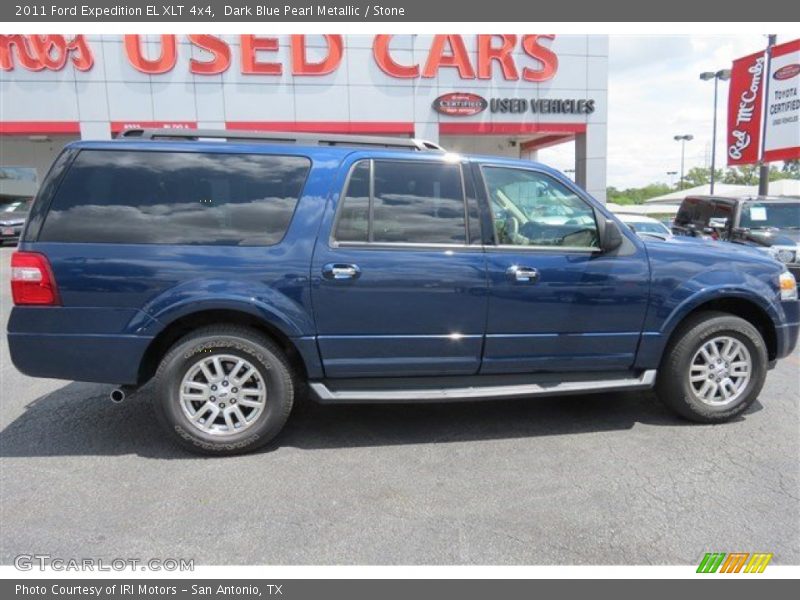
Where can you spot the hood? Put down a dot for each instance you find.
(772, 237)
(12, 220)
(710, 248)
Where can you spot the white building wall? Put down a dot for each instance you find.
(358, 91)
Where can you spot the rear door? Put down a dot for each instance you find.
(398, 275)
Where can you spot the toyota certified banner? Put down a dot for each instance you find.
(782, 113)
(744, 109)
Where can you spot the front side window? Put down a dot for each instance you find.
(138, 197)
(412, 202)
(530, 208)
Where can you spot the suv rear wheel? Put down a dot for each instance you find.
(713, 368)
(224, 390)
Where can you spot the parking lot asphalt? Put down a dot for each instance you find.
(601, 479)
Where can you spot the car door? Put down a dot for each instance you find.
(720, 220)
(556, 302)
(398, 274)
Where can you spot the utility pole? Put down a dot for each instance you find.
(763, 168)
(683, 139)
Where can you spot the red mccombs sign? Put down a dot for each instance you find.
(745, 98)
(764, 106)
(515, 57)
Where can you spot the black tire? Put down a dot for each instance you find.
(673, 386)
(262, 353)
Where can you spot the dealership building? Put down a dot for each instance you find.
(509, 95)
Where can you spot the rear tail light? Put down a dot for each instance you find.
(32, 280)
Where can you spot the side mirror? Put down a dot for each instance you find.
(610, 236)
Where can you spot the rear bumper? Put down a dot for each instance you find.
(96, 358)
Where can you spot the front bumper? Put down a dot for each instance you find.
(786, 334)
(10, 233)
(794, 269)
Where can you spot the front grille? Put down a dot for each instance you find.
(789, 255)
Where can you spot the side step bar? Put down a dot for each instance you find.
(327, 395)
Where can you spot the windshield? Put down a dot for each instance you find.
(762, 215)
(649, 227)
(20, 206)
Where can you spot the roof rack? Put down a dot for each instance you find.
(316, 139)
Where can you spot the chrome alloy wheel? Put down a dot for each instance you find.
(720, 371)
(223, 394)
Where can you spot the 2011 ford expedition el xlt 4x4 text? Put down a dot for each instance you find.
(237, 272)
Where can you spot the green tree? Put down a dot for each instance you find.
(791, 168)
(636, 195)
(750, 174)
(700, 176)
(744, 175)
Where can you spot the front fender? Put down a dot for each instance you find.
(716, 293)
(674, 299)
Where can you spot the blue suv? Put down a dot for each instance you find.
(240, 271)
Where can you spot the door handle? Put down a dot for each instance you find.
(340, 271)
(522, 274)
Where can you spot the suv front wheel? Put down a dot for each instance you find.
(224, 390)
(713, 368)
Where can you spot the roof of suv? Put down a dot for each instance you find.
(337, 146)
(298, 138)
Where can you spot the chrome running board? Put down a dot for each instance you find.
(328, 396)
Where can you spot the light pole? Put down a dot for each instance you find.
(671, 174)
(683, 139)
(724, 75)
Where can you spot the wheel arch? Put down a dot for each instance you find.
(189, 322)
(739, 306)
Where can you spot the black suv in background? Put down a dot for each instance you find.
(769, 224)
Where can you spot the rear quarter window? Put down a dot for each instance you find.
(156, 197)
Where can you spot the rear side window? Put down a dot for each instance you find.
(687, 212)
(135, 197)
(412, 202)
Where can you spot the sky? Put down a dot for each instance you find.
(655, 93)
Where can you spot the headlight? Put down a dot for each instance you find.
(788, 286)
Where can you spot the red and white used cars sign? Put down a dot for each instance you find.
(744, 109)
(782, 112)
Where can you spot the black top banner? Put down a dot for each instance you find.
(210, 11)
